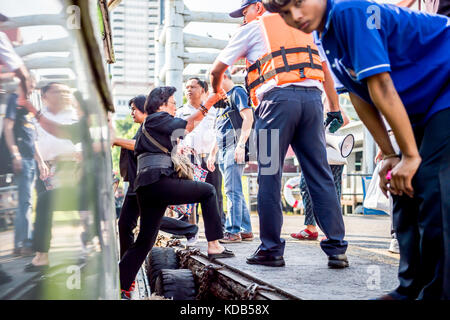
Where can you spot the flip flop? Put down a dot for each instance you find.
(33, 268)
(224, 254)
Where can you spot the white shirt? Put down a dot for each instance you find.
(248, 42)
(203, 137)
(8, 56)
(51, 146)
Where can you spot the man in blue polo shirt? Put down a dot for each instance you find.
(395, 61)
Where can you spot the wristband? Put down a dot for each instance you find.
(38, 115)
(203, 110)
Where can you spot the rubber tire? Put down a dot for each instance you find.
(176, 284)
(160, 258)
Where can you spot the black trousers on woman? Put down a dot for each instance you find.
(153, 200)
(129, 215)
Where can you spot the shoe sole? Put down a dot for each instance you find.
(230, 241)
(307, 239)
(338, 264)
(268, 264)
(248, 239)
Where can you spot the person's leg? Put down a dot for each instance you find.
(153, 200)
(178, 227)
(59, 199)
(307, 205)
(277, 117)
(22, 235)
(430, 182)
(215, 178)
(151, 211)
(128, 222)
(309, 146)
(233, 190)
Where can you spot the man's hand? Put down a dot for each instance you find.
(334, 120)
(17, 164)
(24, 102)
(239, 155)
(402, 172)
(378, 157)
(210, 163)
(215, 97)
(43, 171)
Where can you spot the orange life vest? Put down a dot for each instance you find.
(292, 56)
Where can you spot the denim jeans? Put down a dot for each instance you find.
(238, 219)
(22, 223)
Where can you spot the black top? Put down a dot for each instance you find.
(24, 129)
(129, 162)
(165, 129)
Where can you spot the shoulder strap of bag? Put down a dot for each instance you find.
(152, 140)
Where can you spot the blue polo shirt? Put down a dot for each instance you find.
(238, 98)
(363, 38)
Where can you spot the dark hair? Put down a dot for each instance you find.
(275, 5)
(47, 87)
(201, 83)
(158, 97)
(139, 102)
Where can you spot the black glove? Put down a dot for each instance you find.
(222, 104)
(334, 120)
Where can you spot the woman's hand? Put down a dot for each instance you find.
(210, 163)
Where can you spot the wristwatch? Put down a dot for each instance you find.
(241, 145)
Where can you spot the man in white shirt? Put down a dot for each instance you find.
(201, 140)
(58, 101)
(289, 112)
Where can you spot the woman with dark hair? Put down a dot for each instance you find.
(158, 186)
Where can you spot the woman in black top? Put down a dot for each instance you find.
(157, 185)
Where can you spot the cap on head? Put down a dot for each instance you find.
(244, 4)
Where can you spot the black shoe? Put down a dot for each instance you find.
(259, 257)
(224, 254)
(32, 268)
(4, 277)
(338, 261)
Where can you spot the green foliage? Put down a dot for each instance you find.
(126, 129)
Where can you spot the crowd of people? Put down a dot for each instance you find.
(295, 50)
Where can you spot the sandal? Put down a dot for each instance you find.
(33, 268)
(224, 254)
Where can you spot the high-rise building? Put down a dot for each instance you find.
(133, 25)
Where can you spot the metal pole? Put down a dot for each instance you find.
(159, 54)
(174, 22)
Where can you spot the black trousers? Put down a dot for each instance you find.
(422, 223)
(214, 178)
(128, 221)
(153, 200)
(58, 199)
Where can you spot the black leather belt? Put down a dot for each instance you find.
(153, 161)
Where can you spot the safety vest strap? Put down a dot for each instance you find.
(282, 52)
(299, 66)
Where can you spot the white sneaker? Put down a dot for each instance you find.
(394, 248)
(192, 241)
